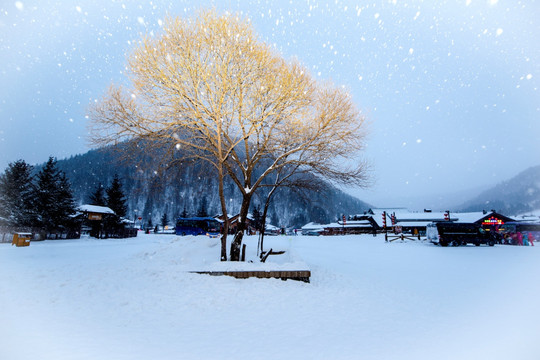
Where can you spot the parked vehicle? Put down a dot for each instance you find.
(447, 233)
(198, 226)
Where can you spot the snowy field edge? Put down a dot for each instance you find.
(136, 299)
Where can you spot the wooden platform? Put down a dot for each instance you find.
(300, 275)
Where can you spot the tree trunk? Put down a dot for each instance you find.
(265, 212)
(225, 216)
(242, 220)
(224, 244)
(235, 246)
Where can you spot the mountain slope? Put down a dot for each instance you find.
(152, 193)
(517, 195)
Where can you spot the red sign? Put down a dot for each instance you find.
(140, 218)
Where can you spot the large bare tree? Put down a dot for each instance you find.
(209, 87)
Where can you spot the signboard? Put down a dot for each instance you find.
(94, 216)
(492, 221)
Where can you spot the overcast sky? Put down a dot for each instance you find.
(450, 88)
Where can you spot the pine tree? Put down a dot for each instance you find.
(257, 218)
(203, 210)
(54, 199)
(65, 205)
(184, 213)
(16, 192)
(164, 220)
(116, 199)
(98, 196)
(275, 219)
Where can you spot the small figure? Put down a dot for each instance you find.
(519, 238)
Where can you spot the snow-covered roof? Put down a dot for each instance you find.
(421, 216)
(413, 223)
(409, 218)
(532, 216)
(312, 226)
(232, 218)
(404, 215)
(271, 227)
(95, 209)
(471, 217)
(353, 223)
(348, 224)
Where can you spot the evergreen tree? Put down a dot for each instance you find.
(184, 213)
(257, 218)
(65, 204)
(164, 220)
(98, 196)
(116, 201)
(54, 200)
(203, 210)
(16, 192)
(275, 219)
(115, 198)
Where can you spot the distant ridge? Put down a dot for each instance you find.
(518, 195)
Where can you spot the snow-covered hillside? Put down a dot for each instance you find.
(135, 299)
(519, 194)
(151, 193)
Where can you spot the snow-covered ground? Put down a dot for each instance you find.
(135, 299)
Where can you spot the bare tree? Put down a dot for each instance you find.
(209, 87)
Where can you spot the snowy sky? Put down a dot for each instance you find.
(450, 88)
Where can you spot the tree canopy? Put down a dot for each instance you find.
(98, 196)
(115, 198)
(208, 86)
(54, 202)
(16, 194)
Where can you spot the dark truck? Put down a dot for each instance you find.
(445, 233)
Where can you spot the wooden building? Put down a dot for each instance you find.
(375, 220)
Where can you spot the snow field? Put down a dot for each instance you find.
(135, 299)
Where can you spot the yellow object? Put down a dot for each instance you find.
(21, 239)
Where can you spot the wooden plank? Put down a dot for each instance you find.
(301, 275)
